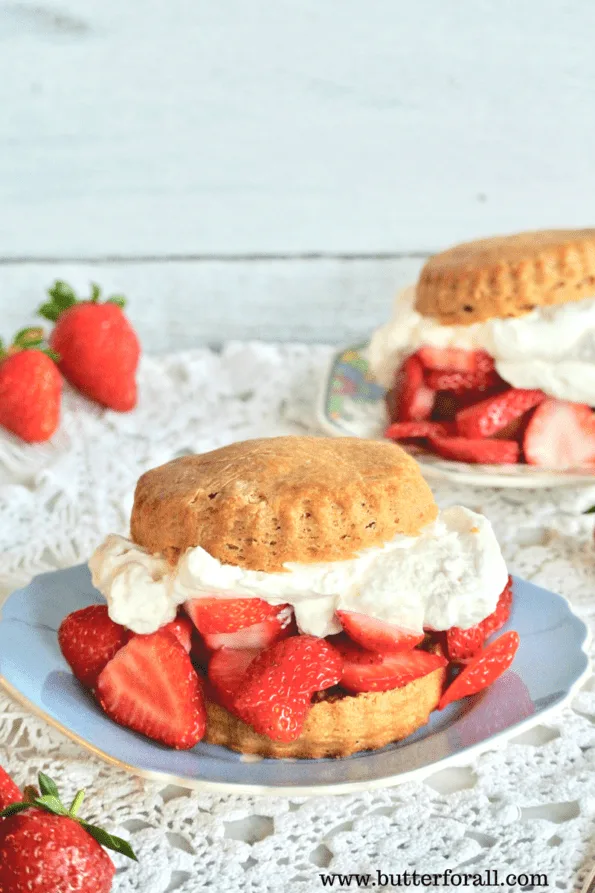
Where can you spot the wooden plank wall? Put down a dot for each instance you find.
(279, 168)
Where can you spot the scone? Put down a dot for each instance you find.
(490, 357)
(328, 596)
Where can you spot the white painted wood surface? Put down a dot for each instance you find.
(181, 304)
(196, 127)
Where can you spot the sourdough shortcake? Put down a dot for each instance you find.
(490, 357)
(329, 598)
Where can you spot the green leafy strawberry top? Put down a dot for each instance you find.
(48, 798)
(62, 296)
(28, 339)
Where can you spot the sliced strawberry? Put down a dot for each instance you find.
(369, 671)
(457, 370)
(228, 615)
(227, 668)
(375, 635)
(491, 452)
(88, 639)
(462, 644)
(259, 635)
(412, 430)
(462, 382)
(413, 399)
(9, 793)
(454, 359)
(276, 692)
(484, 669)
(182, 629)
(560, 435)
(500, 615)
(150, 686)
(493, 414)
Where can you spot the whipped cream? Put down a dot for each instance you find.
(449, 575)
(551, 348)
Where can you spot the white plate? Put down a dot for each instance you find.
(351, 404)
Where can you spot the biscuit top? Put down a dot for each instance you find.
(260, 503)
(507, 276)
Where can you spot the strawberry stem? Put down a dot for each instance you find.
(32, 338)
(62, 297)
(50, 802)
(76, 804)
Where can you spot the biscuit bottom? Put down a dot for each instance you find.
(338, 724)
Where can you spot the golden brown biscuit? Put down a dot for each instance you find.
(507, 276)
(261, 503)
(338, 724)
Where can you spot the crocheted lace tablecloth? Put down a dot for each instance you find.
(528, 806)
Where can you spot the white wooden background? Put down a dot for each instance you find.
(277, 167)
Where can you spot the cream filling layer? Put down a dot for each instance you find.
(449, 575)
(551, 348)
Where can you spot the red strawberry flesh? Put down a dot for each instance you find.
(561, 435)
(99, 353)
(30, 394)
(483, 669)
(276, 692)
(461, 644)
(491, 415)
(9, 792)
(413, 399)
(369, 671)
(45, 853)
(454, 359)
(228, 615)
(89, 639)
(376, 635)
(227, 668)
(150, 686)
(258, 635)
(182, 629)
(412, 430)
(490, 452)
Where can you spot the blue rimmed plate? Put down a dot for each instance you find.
(549, 666)
(351, 404)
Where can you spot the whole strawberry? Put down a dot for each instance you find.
(9, 793)
(30, 388)
(46, 848)
(98, 348)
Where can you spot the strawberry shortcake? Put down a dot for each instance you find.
(291, 597)
(490, 358)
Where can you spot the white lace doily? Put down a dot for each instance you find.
(528, 806)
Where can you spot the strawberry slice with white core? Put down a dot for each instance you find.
(227, 668)
(369, 671)
(150, 686)
(561, 435)
(413, 398)
(454, 359)
(182, 629)
(489, 452)
(228, 615)
(259, 635)
(491, 415)
(376, 635)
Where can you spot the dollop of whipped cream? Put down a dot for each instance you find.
(550, 348)
(449, 575)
